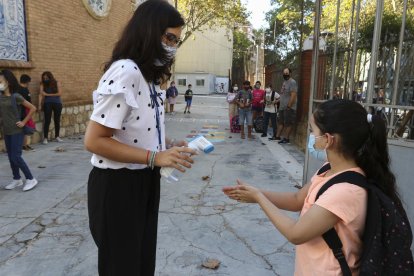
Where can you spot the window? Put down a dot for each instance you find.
(182, 82)
(200, 82)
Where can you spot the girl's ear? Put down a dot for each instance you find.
(330, 141)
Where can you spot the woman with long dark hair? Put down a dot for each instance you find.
(353, 141)
(11, 103)
(126, 135)
(50, 93)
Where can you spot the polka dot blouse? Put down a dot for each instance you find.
(122, 101)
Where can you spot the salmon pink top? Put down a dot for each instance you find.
(349, 203)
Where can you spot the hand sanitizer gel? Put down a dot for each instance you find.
(199, 144)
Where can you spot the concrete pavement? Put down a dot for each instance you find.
(45, 231)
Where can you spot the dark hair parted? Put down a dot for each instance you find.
(365, 142)
(13, 84)
(141, 39)
(52, 84)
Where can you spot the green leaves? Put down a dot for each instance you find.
(202, 14)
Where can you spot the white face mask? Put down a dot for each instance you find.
(235, 88)
(171, 51)
(3, 87)
(268, 90)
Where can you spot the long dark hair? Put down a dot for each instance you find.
(52, 82)
(365, 142)
(14, 85)
(141, 39)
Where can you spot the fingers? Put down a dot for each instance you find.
(228, 188)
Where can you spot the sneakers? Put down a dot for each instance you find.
(188, 112)
(59, 140)
(15, 183)
(185, 112)
(30, 184)
(44, 141)
(28, 148)
(284, 141)
(264, 135)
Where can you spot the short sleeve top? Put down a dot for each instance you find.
(288, 87)
(123, 102)
(9, 113)
(349, 203)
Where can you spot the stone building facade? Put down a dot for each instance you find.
(62, 37)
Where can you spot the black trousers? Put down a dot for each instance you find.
(123, 218)
(48, 108)
(272, 117)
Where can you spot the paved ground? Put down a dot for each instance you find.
(45, 231)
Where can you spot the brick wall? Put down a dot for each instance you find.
(64, 39)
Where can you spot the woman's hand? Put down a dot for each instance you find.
(180, 143)
(242, 192)
(175, 157)
(20, 124)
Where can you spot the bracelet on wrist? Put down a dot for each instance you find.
(152, 160)
(146, 160)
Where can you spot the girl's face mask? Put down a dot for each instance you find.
(319, 154)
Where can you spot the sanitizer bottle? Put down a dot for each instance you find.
(200, 145)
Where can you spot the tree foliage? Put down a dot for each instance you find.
(202, 14)
(282, 37)
(241, 45)
(391, 24)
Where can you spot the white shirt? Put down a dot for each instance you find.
(122, 101)
(271, 107)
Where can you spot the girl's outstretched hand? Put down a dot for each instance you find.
(242, 192)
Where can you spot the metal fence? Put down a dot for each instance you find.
(379, 75)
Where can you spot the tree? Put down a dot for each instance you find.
(289, 22)
(202, 14)
(241, 56)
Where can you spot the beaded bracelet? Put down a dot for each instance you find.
(152, 160)
(146, 161)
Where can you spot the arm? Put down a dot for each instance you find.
(309, 226)
(32, 109)
(59, 90)
(292, 100)
(288, 201)
(39, 107)
(98, 140)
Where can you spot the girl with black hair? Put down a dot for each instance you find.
(50, 93)
(353, 141)
(11, 103)
(126, 135)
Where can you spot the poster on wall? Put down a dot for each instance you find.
(13, 44)
(222, 85)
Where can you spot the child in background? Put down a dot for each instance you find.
(188, 99)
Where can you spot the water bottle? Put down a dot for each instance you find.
(200, 145)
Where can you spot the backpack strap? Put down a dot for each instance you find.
(331, 236)
(324, 168)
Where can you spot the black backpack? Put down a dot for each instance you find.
(387, 236)
(258, 124)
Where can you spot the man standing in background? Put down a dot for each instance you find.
(288, 105)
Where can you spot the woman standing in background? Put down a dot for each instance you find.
(49, 95)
